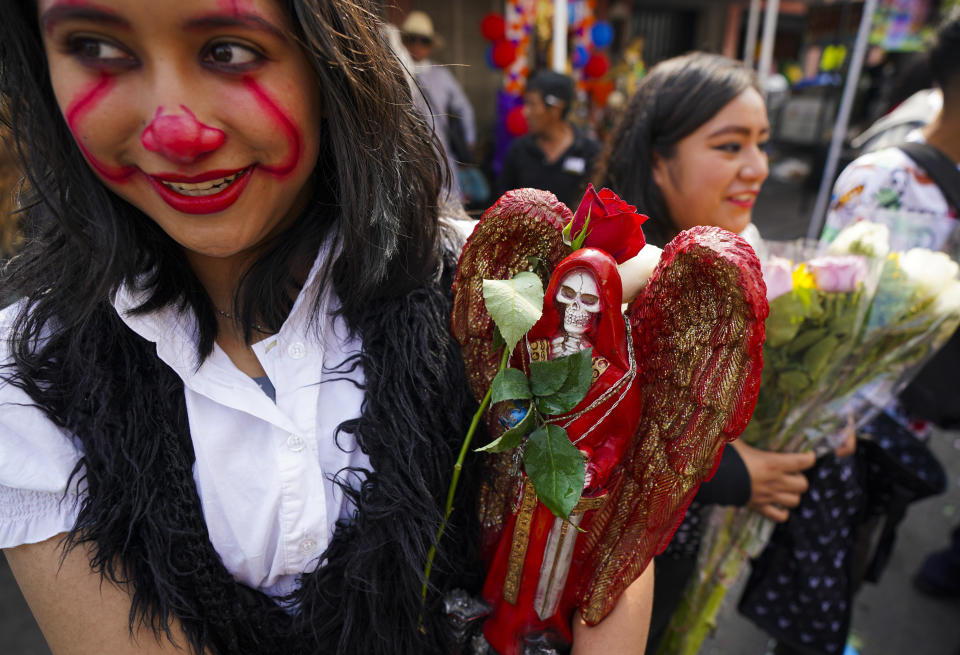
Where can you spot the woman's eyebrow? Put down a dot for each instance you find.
(736, 129)
(247, 20)
(80, 11)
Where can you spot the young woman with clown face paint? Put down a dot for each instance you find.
(209, 438)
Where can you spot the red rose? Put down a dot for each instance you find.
(614, 225)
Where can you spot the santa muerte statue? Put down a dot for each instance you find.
(605, 422)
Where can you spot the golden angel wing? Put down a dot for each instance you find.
(698, 333)
(523, 224)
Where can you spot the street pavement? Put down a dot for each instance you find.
(890, 618)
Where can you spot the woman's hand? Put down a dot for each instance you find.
(624, 630)
(776, 479)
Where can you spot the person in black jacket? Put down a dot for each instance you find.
(689, 150)
(554, 155)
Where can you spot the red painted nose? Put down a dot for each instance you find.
(181, 137)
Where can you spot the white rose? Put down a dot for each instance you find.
(930, 271)
(637, 270)
(862, 238)
(948, 300)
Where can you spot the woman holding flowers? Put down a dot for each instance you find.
(690, 150)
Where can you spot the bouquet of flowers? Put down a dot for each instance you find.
(818, 304)
(914, 311)
(849, 325)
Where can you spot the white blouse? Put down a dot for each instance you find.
(264, 470)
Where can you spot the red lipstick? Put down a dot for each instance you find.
(745, 199)
(211, 204)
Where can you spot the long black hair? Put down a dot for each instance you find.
(944, 55)
(375, 191)
(675, 98)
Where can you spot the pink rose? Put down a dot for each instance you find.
(838, 273)
(614, 225)
(778, 276)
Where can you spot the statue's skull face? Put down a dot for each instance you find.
(579, 293)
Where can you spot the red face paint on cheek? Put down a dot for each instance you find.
(79, 106)
(284, 124)
(230, 6)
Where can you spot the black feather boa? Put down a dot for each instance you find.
(142, 514)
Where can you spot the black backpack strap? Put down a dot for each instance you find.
(941, 169)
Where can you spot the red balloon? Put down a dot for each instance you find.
(601, 91)
(493, 27)
(504, 53)
(516, 123)
(597, 66)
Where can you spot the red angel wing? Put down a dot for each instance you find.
(523, 223)
(698, 331)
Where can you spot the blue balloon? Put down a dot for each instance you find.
(602, 34)
(580, 56)
(489, 57)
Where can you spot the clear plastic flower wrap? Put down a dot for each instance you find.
(914, 311)
(852, 319)
(819, 303)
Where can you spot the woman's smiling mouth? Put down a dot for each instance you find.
(202, 188)
(208, 193)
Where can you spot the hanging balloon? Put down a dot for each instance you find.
(597, 66)
(580, 56)
(488, 56)
(493, 27)
(515, 122)
(601, 91)
(504, 53)
(602, 34)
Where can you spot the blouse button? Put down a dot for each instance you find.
(295, 443)
(297, 350)
(308, 545)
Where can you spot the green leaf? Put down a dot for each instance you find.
(546, 378)
(498, 341)
(512, 437)
(510, 384)
(515, 305)
(793, 382)
(818, 356)
(580, 238)
(787, 312)
(556, 468)
(805, 339)
(574, 387)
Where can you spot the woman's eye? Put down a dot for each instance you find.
(728, 147)
(98, 50)
(765, 147)
(232, 55)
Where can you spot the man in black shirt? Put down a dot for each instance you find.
(554, 155)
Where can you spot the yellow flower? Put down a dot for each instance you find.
(802, 278)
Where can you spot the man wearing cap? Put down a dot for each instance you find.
(446, 103)
(554, 155)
